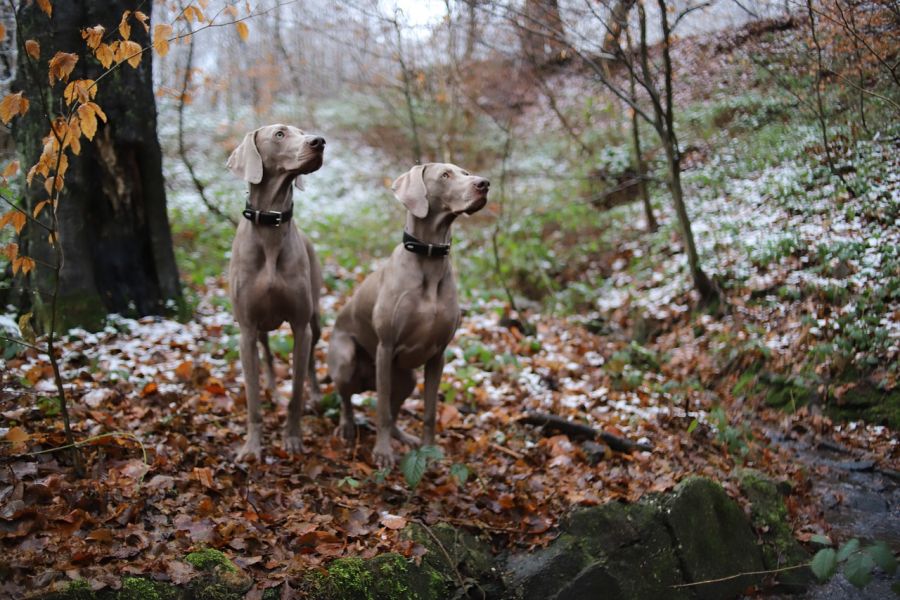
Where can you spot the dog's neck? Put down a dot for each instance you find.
(273, 193)
(433, 229)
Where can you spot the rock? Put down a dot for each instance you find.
(633, 552)
(712, 538)
(769, 517)
(543, 573)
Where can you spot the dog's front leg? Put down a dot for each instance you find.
(434, 368)
(293, 440)
(384, 456)
(250, 364)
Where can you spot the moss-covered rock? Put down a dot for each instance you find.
(220, 579)
(712, 537)
(543, 573)
(769, 517)
(138, 588)
(384, 577)
(457, 557)
(632, 551)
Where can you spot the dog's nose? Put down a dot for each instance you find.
(317, 143)
(482, 184)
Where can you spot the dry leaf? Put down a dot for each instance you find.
(93, 35)
(46, 7)
(11, 169)
(13, 105)
(61, 66)
(105, 55)
(33, 48)
(143, 19)
(124, 27)
(243, 30)
(17, 435)
(161, 35)
(393, 521)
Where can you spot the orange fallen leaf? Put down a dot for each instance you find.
(149, 389)
(393, 521)
(17, 435)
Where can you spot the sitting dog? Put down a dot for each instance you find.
(405, 313)
(274, 275)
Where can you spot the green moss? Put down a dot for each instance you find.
(349, 578)
(79, 589)
(216, 591)
(138, 588)
(770, 519)
(207, 559)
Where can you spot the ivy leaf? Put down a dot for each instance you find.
(858, 569)
(883, 557)
(824, 564)
(822, 540)
(847, 549)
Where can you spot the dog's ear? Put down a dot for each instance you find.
(409, 189)
(245, 161)
(298, 183)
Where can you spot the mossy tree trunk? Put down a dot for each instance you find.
(113, 224)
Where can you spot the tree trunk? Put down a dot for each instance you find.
(702, 283)
(541, 31)
(113, 224)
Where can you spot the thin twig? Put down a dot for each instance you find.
(730, 577)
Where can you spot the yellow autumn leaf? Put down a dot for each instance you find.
(80, 89)
(12, 105)
(46, 7)
(93, 35)
(105, 55)
(243, 30)
(88, 121)
(10, 251)
(161, 35)
(33, 49)
(74, 133)
(27, 264)
(132, 53)
(143, 19)
(124, 27)
(17, 435)
(232, 10)
(11, 169)
(14, 218)
(61, 66)
(39, 207)
(97, 110)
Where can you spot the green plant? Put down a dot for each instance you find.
(858, 563)
(416, 462)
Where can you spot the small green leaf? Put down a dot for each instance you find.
(460, 472)
(824, 564)
(413, 467)
(349, 482)
(883, 557)
(858, 569)
(432, 452)
(692, 426)
(822, 540)
(847, 549)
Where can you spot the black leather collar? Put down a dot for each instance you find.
(417, 246)
(267, 217)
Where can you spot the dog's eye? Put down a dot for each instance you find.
(279, 134)
(446, 174)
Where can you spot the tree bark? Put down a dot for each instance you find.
(541, 32)
(113, 224)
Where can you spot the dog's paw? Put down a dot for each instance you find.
(250, 451)
(384, 457)
(346, 430)
(407, 438)
(292, 444)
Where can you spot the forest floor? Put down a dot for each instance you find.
(161, 406)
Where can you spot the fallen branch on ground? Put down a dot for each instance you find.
(579, 430)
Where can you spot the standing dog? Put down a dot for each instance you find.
(405, 313)
(274, 275)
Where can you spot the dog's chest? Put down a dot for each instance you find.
(427, 328)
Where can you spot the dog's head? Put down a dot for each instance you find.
(277, 149)
(442, 188)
